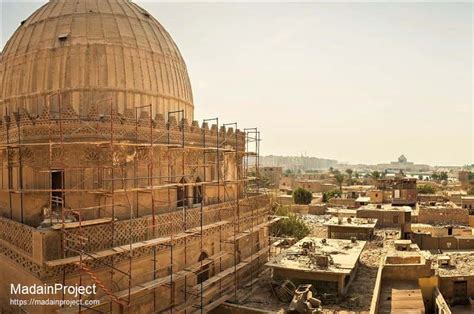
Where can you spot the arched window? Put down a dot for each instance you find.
(197, 192)
(203, 274)
(182, 194)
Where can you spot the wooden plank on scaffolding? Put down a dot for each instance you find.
(210, 260)
(251, 230)
(229, 271)
(77, 224)
(208, 285)
(178, 276)
(214, 304)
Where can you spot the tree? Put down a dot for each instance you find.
(331, 169)
(292, 226)
(439, 176)
(375, 175)
(356, 175)
(331, 194)
(349, 173)
(302, 196)
(288, 173)
(339, 179)
(443, 176)
(420, 177)
(425, 189)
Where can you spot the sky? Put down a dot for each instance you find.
(356, 82)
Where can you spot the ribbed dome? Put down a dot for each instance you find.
(92, 50)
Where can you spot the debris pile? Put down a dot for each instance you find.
(303, 301)
(312, 256)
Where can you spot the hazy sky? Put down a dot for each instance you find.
(357, 82)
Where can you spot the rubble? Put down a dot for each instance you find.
(303, 301)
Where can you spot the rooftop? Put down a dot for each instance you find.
(343, 255)
(363, 199)
(386, 207)
(461, 263)
(352, 222)
(347, 211)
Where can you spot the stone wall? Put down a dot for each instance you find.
(426, 241)
(446, 286)
(443, 215)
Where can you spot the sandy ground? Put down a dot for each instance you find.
(360, 291)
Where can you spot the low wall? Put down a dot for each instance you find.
(374, 304)
(407, 271)
(317, 209)
(440, 305)
(431, 198)
(426, 241)
(347, 202)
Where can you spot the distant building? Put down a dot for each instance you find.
(273, 174)
(402, 164)
(314, 186)
(464, 178)
(297, 162)
(403, 190)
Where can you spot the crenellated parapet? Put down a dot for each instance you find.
(23, 127)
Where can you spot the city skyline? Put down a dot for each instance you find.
(360, 82)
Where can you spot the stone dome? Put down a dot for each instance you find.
(91, 53)
(402, 159)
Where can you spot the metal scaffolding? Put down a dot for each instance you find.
(230, 191)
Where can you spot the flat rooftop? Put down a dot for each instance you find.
(352, 222)
(461, 263)
(386, 207)
(363, 199)
(343, 256)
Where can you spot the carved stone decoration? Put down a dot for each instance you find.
(27, 155)
(122, 156)
(164, 157)
(192, 158)
(57, 154)
(91, 155)
(144, 155)
(13, 157)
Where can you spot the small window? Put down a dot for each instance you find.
(63, 37)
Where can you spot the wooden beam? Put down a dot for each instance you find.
(77, 224)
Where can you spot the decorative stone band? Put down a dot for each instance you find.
(17, 234)
(17, 240)
(127, 126)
